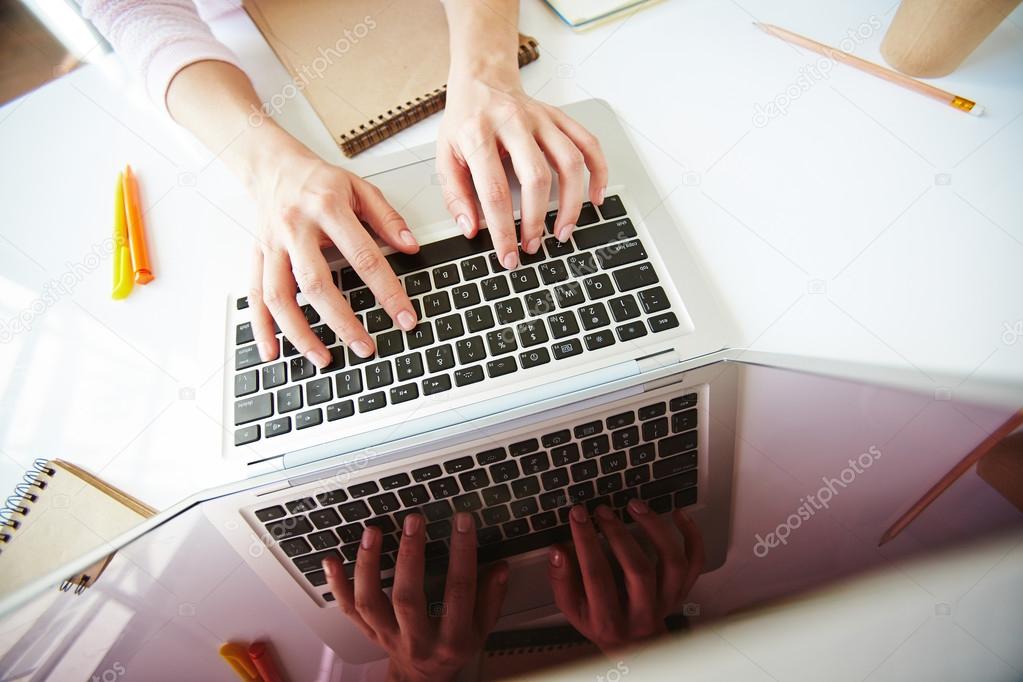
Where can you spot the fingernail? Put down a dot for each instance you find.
(320, 358)
(533, 246)
(510, 260)
(605, 513)
(328, 567)
(557, 558)
(601, 193)
(406, 320)
(638, 507)
(463, 522)
(565, 232)
(407, 238)
(464, 224)
(266, 350)
(368, 538)
(362, 349)
(413, 522)
(579, 514)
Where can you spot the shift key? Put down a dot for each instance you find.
(250, 409)
(663, 486)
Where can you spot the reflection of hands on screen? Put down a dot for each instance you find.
(584, 584)
(424, 642)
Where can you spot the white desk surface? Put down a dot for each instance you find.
(866, 223)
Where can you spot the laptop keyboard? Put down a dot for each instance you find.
(477, 320)
(519, 492)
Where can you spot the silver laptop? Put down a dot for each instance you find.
(519, 394)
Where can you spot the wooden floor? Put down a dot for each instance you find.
(29, 55)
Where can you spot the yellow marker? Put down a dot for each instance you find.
(237, 656)
(124, 275)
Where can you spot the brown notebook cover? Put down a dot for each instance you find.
(369, 69)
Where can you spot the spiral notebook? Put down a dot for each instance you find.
(59, 513)
(368, 68)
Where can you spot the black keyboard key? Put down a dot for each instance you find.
(524, 508)
(466, 295)
(534, 358)
(653, 300)
(250, 409)
(661, 505)
(683, 402)
(436, 303)
(580, 492)
(501, 367)
(651, 411)
(446, 275)
(468, 375)
(289, 399)
(567, 348)
(437, 511)
(525, 487)
(598, 286)
(532, 333)
(635, 276)
(417, 283)
(246, 356)
(588, 215)
(301, 505)
(503, 472)
(440, 252)
(468, 502)
(325, 518)
(345, 408)
(453, 466)
(337, 360)
(556, 249)
(598, 235)
(437, 384)
(556, 438)
(609, 484)
(363, 489)
(274, 375)
(673, 445)
(474, 268)
(630, 330)
(488, 457)
(501, 341)
(439, 530)
(361, 299)
(675, 465)
(539, 303)
(612, 462)
(509, 310)
(318, 391)
(378, 375)
(415, 495)
(637, 475)
(655, 429)
(535, 462)
(390, 343)
(348, 383)
(427, 473)
(440, 358)
(683, 421)
(495, 495)
(588, 429)
(582, 264)
(524, 447)
(332, 497)
(243, 303)
(473, 479)
(565, 454)
(246, 435)
(569, 294)
(594, 316)
(622, 253)
(584, 470)
(246, 383)
(372, 401)
(596, 446)
(314, 562)
(270, 513)
(563, 324)
(488, 536)
(530, 258)
(612, 207)
(354, 511)
(478, 319)
(623, 308)
(617, 421)
(295, 546)
(409, 366)
(495, 288)
(325, 334)
(625, 438)
(444, 487)
(553, 272)
(303, 420)
(350, 279)
(243, 333)
(660, 323)
(394, 481)
(641, 454)
(684, 498)
(599, 339)
(377, 320)
(449, 327)
(325, 539)
(384, 504)
(470, 350)
(288, 348)
(554, 479)
(513, 529)
(289, 528)
(301, 368)
(663, 486)
(420, 336)
(404, 393)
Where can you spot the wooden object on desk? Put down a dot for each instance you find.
(974, 456)
(1002, 469)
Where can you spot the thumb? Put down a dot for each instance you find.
(490, 598)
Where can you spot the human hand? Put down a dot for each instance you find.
(488, 115)
(421, 646)
(304, 205)
(584, 586)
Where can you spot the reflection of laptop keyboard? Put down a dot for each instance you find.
(476, 321)
(519, 492)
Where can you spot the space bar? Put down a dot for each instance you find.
(442, 251)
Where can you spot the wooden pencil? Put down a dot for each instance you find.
(974, 456)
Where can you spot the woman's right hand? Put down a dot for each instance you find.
(584, 585)
(306, 204)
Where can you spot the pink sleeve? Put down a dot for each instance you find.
(156, 38)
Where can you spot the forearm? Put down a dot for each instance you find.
(217, 103)
(484, 39)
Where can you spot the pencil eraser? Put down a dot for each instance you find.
(977, 110)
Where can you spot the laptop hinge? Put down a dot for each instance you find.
(660, 360)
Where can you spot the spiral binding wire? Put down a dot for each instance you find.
(19, 503)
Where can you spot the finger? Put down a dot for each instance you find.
(408, 596)
(671, 559)
(598, 582)
(262, 321)
(279, 290)
(589, 145)
(457, 190)
(534, 175)
(640, 574)
(695, 551)
(381, 216)
(344, 595)
(364, 256)
(460, 588)
(566, 584)
(568, 161)
(314, 280)
(495, 197)
(370, 600)
(490, 598)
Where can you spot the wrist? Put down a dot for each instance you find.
(260, 151)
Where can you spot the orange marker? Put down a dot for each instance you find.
(260, 656)
(136, 230)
